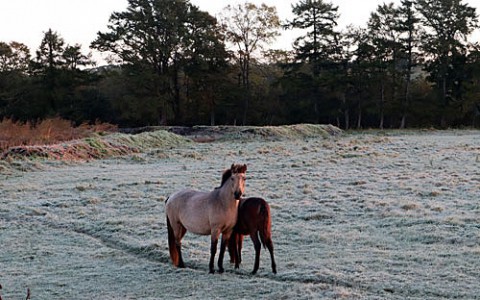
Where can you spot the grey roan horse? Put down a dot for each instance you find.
(205, 213)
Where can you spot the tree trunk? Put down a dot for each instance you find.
(443, 120)
(382, 105)
(245, 66)
(212, 111)
(406, 101)
(346, 112)
(359, 117)
(176, 96)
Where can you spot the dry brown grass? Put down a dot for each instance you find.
(47, 132)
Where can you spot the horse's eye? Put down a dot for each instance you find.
(231, 179)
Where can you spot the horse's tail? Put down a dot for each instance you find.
(266, 228)
(172, 247)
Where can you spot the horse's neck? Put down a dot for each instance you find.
(224, 195)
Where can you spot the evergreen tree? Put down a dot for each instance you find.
(319, 19)
(153, 39)
(57, 80)
(73, 57)
(46, 69)
(14, 63)
(318, 45)
(385, 36)
(408, 27)
(448, 23)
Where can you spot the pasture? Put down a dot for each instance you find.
(373, 215)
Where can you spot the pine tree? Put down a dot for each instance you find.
(448, 23)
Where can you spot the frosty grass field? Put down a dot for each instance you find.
(373, 215)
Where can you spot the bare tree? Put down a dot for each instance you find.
(249, 27)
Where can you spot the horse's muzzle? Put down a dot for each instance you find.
(237, 195)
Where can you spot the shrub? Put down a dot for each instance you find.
(49, 131)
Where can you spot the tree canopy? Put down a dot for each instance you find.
(411, 65)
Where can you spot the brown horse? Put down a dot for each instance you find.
(254, 220)
(204, 213)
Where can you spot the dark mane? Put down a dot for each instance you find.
(234, 169)
(226, 174)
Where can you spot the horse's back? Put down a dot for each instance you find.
(189, 208)
(252, 214)
(251, 206)
(186, 200)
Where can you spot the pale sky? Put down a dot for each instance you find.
(78, 21)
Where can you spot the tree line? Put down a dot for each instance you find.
(170, 63)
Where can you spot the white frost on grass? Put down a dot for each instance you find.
(362, 216)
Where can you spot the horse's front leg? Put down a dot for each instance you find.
(213, 250)
(223, 246)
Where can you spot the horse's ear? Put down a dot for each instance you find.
(243, 169)
(238, 168)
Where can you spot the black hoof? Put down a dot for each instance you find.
(211, 271)
(221, 270)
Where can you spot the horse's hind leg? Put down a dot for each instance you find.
(178, 245)
(172, 244)
(270, 249)
(232, 246)
(258, 247)
(239, 251)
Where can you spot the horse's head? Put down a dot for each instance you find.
(235, 179)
